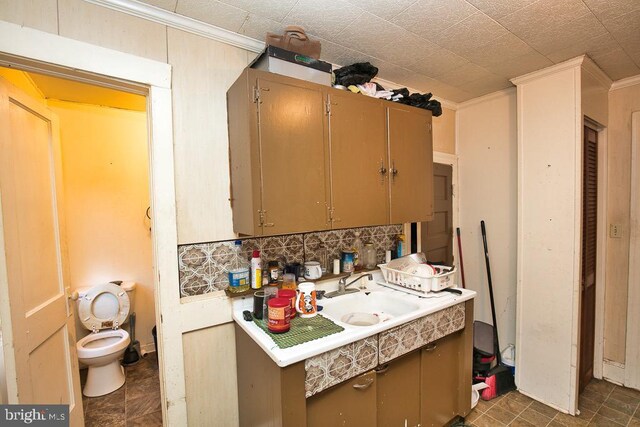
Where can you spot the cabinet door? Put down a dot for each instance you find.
(411, 164)
(351, 403)
(358, 147)
(292, 157)
(398, 388)
(439, 375)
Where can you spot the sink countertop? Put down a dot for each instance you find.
(428, 304)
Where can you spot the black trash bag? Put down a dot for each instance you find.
(355, 74)
(423, 101)
(404, 92)
(435, 107)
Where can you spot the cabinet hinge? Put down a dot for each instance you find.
(327, 108)
(256, 94)
(429, 127)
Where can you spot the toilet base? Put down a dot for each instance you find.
(104, 379)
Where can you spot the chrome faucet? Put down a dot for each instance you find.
(343, 285)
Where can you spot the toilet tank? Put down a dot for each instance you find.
(130, 289)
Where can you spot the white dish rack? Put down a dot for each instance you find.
(417, 282)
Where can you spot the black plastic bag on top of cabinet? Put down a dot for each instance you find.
(423, 101)
(355, 74)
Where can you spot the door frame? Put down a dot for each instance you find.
(601, 246)
(32, 50)
(451, 160)
(632, 358)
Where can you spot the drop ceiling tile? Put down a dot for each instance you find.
(498, 51)
(518, 66)
(350, 56)
(467, 36)
(593, 47)
(617, 65)
(465, 74)
(367, 33)
(542, 16)
(257, 27)
(609, 9)
(428, 17)
(421, 83)
(557, 37)
(450, 93)
(272, 9)
(441, 62)
(626, 30)
(169, 5)
(407, 49)
(499, 8)
(326, 18)
(386, 9)
(393, 73)
(486, 85)
(213, 12)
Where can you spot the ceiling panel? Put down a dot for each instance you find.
(213, 12)
(557, 37)
(169, 5)
(518, 66)
(257, 27)
(272, 9)
(626, 30)
(465, 74)
(609, 9)
(617, 64)
(440, 62)
(384, 9)
(499, 8)
(467, 36)
(326, 18)
(499, 50)
(407, 49)
(427, 17)
(357, 34)
(594, 47)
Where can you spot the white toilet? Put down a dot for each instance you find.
(103, 309)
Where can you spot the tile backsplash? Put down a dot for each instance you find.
(203, 266)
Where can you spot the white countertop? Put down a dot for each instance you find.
(427, 304)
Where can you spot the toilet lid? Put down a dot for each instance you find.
(104, 306)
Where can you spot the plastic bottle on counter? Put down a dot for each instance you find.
(256, 270)
(399, 245)
(239, 271)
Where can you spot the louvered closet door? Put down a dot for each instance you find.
(589, 247)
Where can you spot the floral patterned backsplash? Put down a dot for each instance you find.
(203, 266)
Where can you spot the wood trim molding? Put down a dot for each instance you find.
(592, 68)
(613, 371)
(629, 81)
(632, 357)
(181, 22)
(572, 63)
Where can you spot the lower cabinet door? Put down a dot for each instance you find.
(352, 403)
(440, 380)
(399, 392)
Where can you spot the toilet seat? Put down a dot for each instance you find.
(102, 343)
(104, 306)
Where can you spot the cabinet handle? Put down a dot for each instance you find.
(393, 171)
(382, 169)
(367, 383)
(431, 347)
(382, 369)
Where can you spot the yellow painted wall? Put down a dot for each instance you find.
(622, 102)
(21, 81)
(444, 132)
(106, 193)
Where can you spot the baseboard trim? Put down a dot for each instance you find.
(613, 372)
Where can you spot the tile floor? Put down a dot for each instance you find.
(136, 403)
(601, 404)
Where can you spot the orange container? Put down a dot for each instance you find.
(291, 295)
(279, 315)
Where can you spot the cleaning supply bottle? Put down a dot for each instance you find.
(399, 245)
(239, 271)
(256, 270)
(357, 252)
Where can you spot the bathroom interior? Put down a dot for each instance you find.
(108, 230)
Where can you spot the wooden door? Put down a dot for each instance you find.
(292, 157)
(358, 147)
(398, 388)
(410, 164)
(351, 403)
(589, 247)
(437, 234)
(37, 320)
(439, 375)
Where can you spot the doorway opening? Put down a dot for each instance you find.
(101, 197)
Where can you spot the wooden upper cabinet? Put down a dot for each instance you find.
(410, 164)
(277, 155)
(292, 157)
(358, 147)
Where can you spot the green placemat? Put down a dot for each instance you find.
(302, 330)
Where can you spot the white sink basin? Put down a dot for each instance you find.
(366, 308)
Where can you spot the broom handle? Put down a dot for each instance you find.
(460, 253)
(493, 306)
